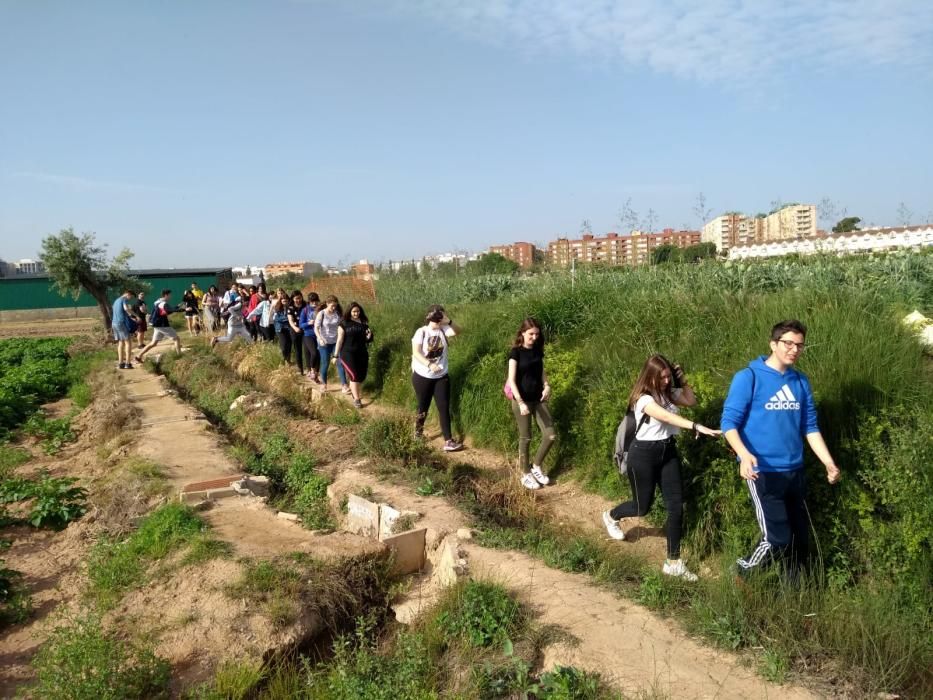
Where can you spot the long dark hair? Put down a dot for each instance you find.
(528, 322)
(650, 382)
(347, 315)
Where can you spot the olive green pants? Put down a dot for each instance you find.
(543, 416)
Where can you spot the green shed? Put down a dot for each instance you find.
(22, 296)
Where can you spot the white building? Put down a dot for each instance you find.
(865, 241)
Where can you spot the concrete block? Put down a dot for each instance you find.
(464, 533)
(408, 548)
(362, 517)
(387, 519)
(447, 565)
(192, 497)
(256, 485)
(291, 517)
(226, 492)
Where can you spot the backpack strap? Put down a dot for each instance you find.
(644, 419)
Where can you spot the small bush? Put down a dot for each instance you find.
(232, 681)
(568, 683)
(80, 661)
(313, 504)
(54, 433)
(53, 501)
(358, 670)
(481, 615)
(392, 437)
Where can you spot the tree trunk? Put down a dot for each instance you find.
(103, 304)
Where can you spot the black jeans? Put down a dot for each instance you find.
(439, 390)
(285, 344)
(312, 355)
(297, 343)
(653, 463)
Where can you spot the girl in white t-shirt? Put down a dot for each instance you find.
(652, 459)
(429, 371)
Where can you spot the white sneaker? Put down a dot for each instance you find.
(679, 569)
(539, 475)
(613, 527)
(530, 483)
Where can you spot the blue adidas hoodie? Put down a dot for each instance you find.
(772, 412)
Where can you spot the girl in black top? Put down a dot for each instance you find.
(353, 337)
(530, 391)
(190, 303)
(293, 314)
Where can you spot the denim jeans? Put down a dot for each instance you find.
(326, 352)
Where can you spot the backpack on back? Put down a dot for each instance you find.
(625, 435)
(154, 314)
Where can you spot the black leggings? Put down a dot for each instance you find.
(297, 342)
(312, 356)
(439, 390)
(652, 463)
(285, 344)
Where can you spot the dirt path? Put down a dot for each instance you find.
(564, 499)
(178, 436)
(629, 646)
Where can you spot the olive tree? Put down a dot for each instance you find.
(77, 263)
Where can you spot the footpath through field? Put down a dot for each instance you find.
(633, 649)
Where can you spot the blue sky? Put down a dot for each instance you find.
(223, 133)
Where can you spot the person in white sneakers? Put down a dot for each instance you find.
(429, 372)
(528, 389)
(653, 460)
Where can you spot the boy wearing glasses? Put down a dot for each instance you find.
(766, 415)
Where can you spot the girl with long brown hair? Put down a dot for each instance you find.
(653, 460)
(530, 391)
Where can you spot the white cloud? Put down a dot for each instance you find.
(738, 41)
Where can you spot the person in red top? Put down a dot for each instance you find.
(252, 326)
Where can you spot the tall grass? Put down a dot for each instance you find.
(871, 379)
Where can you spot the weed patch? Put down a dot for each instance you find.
(80, 661)
(392, 437)
(115, 566)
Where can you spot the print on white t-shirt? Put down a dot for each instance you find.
(433, 344)
(655, 429)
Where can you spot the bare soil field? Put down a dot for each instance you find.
(51, 328)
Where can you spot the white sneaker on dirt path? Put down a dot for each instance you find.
(541, 477)
(679, 569)
(612, 527)
(530, 483)
(452, 446)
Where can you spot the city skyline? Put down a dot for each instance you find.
(205, 133)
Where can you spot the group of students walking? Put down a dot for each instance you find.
(767, 414)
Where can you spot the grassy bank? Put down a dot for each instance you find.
(871, 379)
(866, 635)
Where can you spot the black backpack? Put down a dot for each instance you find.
(624, 437)
(154, 314)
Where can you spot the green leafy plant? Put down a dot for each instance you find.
(483, 615)
(80, 661)
(54, 501)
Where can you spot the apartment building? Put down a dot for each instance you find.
(733, 229)
(305, 269)
(614, 249)
(520, 252)
(790, 222)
